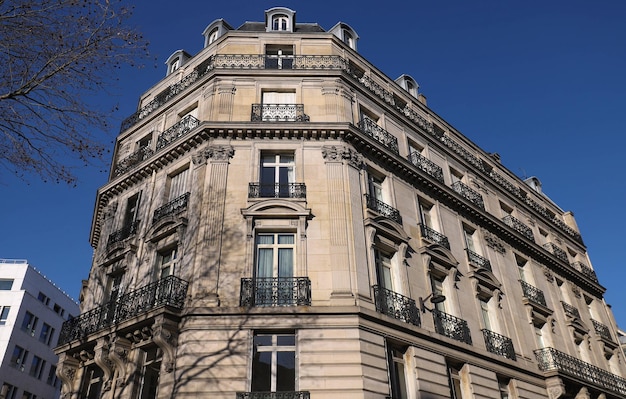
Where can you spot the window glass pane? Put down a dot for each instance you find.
(286, 372)
(265, 239)
(285, 239)
(265, 266)
(286, 340)
(5, 285)
(262, 340)
(262, 372)
(285, 262)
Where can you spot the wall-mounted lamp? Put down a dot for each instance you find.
(434, 299)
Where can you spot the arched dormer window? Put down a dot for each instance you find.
(176, 60)
(215, 30)
(346, 34)
(409, 84)
(280, 19)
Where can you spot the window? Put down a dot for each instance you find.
(43, 298)
(9, 391)
(29, 323)
(213, 35)
(427, 214)
(4, 314)
(143, 147)
(92, 382)
(503, 384)
(455, 175)
(469, 239)
(150, 368)
(277, 174)
(36, 367)
(280, 23)
(6, 284)
(383, 269)
(18, 358)
(456, 391)
(132, 205)
(348, 38)
(275, 254)
(521, 263)
(167, 262)
(52, 377)
(178, 184)
(376, 187)
(46, 334)
(175, 65)
(539, 339)
(58, 309)
(274, 363)
(397, 371)
(279, 57)
(484, 311)
(437, 290)
(114, 286)
(28, 395)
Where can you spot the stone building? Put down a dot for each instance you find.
(283, 217)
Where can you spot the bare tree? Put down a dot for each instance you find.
(57, 56)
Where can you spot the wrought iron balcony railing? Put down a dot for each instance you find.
(602, 330)
(278, 113)
(584, 269)
(468, 193)
(385, 210)
(133, 159)
(426, 165)
(556, 251)
(274, 395)
(550, 359)
(263, 61)
(434, 236)
(126, 231)
(518, 226)
(499, 344)
(533, 294)
(170, 291)
(179, 129)
(478, 260)
(451, 326)
(175, 206)
(570, 310)
(395, 305)
(275, 291)
(370, 128)
(277, 190)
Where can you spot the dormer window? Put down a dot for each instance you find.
(215, 30)
(176, 61)
(280, 19)
(280, 23)
(348, 38)
(175, 65)
(409, 84)
(346, 34)
(213, 35)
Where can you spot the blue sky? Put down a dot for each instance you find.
(541, 83)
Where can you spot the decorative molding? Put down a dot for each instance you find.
(219, 152)
(342, 154)
(494, 242)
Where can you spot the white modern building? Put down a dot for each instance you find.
(32, 310)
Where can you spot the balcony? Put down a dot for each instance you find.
(133, 159)
(171, 208)
(370, 128)
(278, 113)
(383, 209)
(277, 190)
(263, 61)
(499, 344)
(451, 326)
(584, 269)
(478, 260)
(427, 166)
(395, 305)
(275, 291)
(469, 194)
(434, 236)
(533, 294)
(274, 395)
(602, 330)
(519, 227)
(550, 359)
(179, 129)
(556, 251)
(119, 235)
(570, 311)
(170, 291)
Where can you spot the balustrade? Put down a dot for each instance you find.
(584, 269)
(133, 159)
(570, 310)
(602, 330)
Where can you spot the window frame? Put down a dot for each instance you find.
(274, 349)
(6, 282)
(4, 314)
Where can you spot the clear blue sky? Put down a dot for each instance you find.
(542, 83)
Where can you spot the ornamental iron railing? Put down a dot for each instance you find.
(277, 190)
(584, 269)
(451, 326)
(469, 194)
(426, 165)
(478, 260)
(133, 159)
(170, 291)
(382, 208)
(128, 230)
(263, 61)
(602, 330)
(533, 294)
(499, 344)
(550, 359)
(434, 236)
(275, 291)
(395, 305)
(570, 310)
(278, 113)
(556, 251)
(175, 206)
(274, 395)
(179, 129)
(518, 226)
(370, 128)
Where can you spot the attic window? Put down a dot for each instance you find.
(280, 23)
(175, 65)
(213, 35)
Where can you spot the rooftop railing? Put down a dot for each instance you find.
(383, 209)
(170, 291)
(395, 305)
